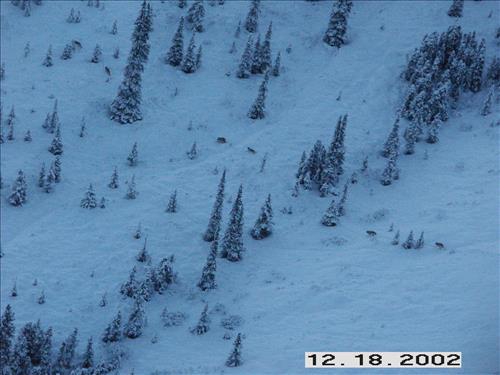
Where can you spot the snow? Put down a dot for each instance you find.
(307, 287)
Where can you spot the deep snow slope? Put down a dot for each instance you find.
(305, 288)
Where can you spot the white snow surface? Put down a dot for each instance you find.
(305, 288)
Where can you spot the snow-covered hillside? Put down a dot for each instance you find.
(307, 287)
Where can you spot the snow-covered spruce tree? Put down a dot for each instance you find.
(331, 216)
(165, 274)
(476, 68)
(71, 17)
(409, 243)
(89, 200)
(131, 190)
(493, 73)
(116, 53)
(198, 58)
(2, 71)
(263, 227)
(203, 323)
(189, 62)
(456, 8)
(138, 232)
(316, 163)
(133, 156)
(330, 166)
(265, 51)
(234, 359)
(145, 290)
(207, 280)
(7, 330)
(27, 49)
(56, 167)
(56, 147)
(113, 184)
(97, 55)
(277, 66)
(143, 255)
(193, 152)
(233, 48)
(486, 110)
(420, 242)
(335, 34)
(88, 355)
(232, 242)
(41, 176)
(172, 203)
(256, 58)
(392, 140)
(102, 203)
(49, 180)
(48, 58)
(252, 19)
(395, 240)
(66, 354)
(129, 287)
(174, 55)
(11, 120)
(216, 215)
(410, 135)
(136, 321)
(257, 110)
(390, 172)
(114, 28)
(27, 137)
(343, 199)
(181, 3)
(20, 361)
(18, 195)
(244, 69)
(13, 292)
(112, 333)
(195, 16)
(67, 52)
(53, 120)
(433, 131)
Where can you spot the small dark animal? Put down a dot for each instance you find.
(439, 245)
(371, 233)
(251, 150)
(221, 140)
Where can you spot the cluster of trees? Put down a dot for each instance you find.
(410, 242)
(25, 5)
(189, 61)
(31, 352)
(335, 34)
(126, 107)
(323, 168)
(443, 66)
(74, 17)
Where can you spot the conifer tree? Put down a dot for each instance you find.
(48, 58)
(88, 356)
(257, 110)
(392, 140)
(67, 52)
(343, 199)
(27, 49)
(433, 134)
(337, 26)
(41, 176)
(129, 287)
(114, 28)
(265, 51)
(193, 153)
(97, 55)
(195, 16)
(331, 216)
(143, 255)
(203, 323)
(27, 137)
(116, 54)
(486, 110)
(456, 8)
(233, 48)
(131, 191)
(18, 195)
(56, 147)
(136, 321)
(113, 184)
(409, 243)
(234, 359)
(198, 58)
(53, 123)
(390, 172)
(476, 68)
(13, 292)
(21, 362)
(112, 333)
(7, 330)
(89, 200)
(67, 351)
(174, 56)
(256, 67)
(102, 203)
(165, 274)
(172, 203)
(133, 157)
(277, 66)
(207, 280)
(244, 69)
(395, 240)
(49, 180)
(216, 215)
(138, 232)
(71, 17)
(420, 242)
(2, 71)
(253, 17)
(11, 119)
(189, 62)
(410, 136)
(237, 32)
(232, 243)
(263, 227)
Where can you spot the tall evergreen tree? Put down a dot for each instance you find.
(203, 323)
(216, 215)
(88, 356)
(337, 26)
(266, 62)
(143, 255)
(48, 58)
(56, 167)
(67, 52)
(7, 330)
(165, 274)
(56, 147)
(244, 69)
(21, 362)
(189, 62)
(331, 216)
(257, 110)
(207, 280)
(232, 243)
(136, 321)
(19, 188)
(456, 8)
(11, 119)
(234, 359)
(97, 55)
(89, 200)
(390, 172)
(172, 203)
(41, 176)
(256, 67)
(263, 227)
(343, 199)
(131, 190)
(392, 140)
(252, 19)
(67, 351)
(174, 55)
(195, 16)
(112, 333)
(113, 184)
(409, 243)
(277, 65)
(133, 157)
